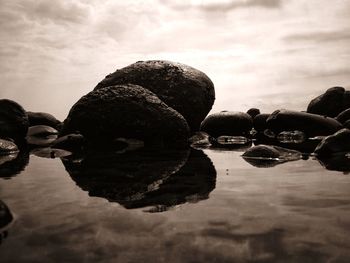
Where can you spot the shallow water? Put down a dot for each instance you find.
(209, 206)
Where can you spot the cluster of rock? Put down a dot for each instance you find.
(160, 104)
(322, 129)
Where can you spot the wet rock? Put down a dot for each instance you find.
(13, 120)
(51, 153)
(7, 147)
(183, 88)
(331, 103)
(311, 124)
(259, 122)
(43, 118)
(41, 131)
(13, 164)
(156, 179)
(126, 111)
(200, 140)
(334, 144)
(269, 155)
(5, 215)
(253, 112)
(229, 123)
(336, 162)
(344, 116)
(71, 142)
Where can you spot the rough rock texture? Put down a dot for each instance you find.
(185, 89)
(311, 124)
(13, 120)
(7, 147)
(333, 144)
(331, 103)
(253, 112)
(43, 118)
(230, 123)
(126, 111)
(344, 116)
(5, 215)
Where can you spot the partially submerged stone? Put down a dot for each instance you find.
(183, 88)
(7, 147)
(50, 153)
(270, 155)
(331, 103)
(228, 123)
(71, 142)
(41, 131)
(334, 144)
(311, 124)
(126, 111)
(43, 118)
(13, 120)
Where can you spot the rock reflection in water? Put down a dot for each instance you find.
(158, 180)
(5, 219)
(11, 165)
(337, 162)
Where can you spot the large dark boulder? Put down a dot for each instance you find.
(126, 111)
(331, 103)
(310, 124)
(5, 215)
(229, 123)
(185, 89)
(334, 144)
(43, 118)
(13, 120)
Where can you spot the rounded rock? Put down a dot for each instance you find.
(41, 131)
(7, 147)
(183, 88)
(13, 120)
(43, 118)
(333, 144)
(230, 123)
(253, 112)
(331, 103)
(126, 111)
(344, 116)
(311, 124)
(259, 122)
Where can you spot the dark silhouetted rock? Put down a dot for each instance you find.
(13, 120)
(310, 124)
(229, 123)
(343, 116)
(347, 124)
(43, 118)
(334, 144)
(41, 131)
(331, 103)
(7, 147)
(158, 179)
(13, 164)
(259, 122)
(270, 155)
(71, 142)
(126, 111)
(253, 112)
(5, 215)
(185, 89)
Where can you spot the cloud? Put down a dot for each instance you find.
(320, 36)
(225, 6)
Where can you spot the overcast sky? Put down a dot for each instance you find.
(259, 53)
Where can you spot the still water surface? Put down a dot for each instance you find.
(197, 206)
